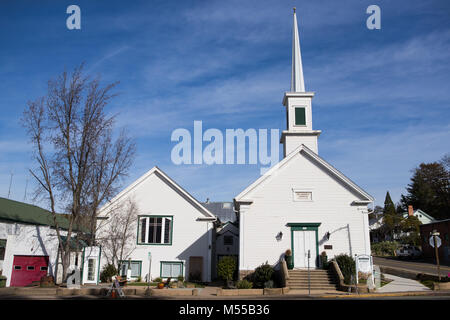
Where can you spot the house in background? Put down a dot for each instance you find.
(29, 244)
(226, 239)
(302, 203)
(377, 222)
(421, 215)
(173, 229)
(374, 224)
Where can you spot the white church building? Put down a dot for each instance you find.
(302, 203)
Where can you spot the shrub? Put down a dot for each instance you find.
(2, 281)
(139, 279)
(157, 280)
(262, 274)
(180, 278)
(347, 265)
(244, 284)
(269, 284)
(226, 268)
(107, 273)
(385, 248)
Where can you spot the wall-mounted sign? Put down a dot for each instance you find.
(328, 247)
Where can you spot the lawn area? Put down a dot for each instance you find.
(427, 283)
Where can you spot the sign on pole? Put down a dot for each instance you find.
(149, 267)
(438, 241)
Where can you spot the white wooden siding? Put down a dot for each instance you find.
(190, 237)
(273, 207)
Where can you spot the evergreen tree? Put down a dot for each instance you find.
(391, 219)
(429, 189)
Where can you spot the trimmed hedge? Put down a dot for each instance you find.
(244, 284)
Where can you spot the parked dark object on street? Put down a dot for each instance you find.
(407, 251)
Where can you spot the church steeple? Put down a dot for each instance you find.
(298, 103)
(297, 82)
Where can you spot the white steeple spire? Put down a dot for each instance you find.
(298, 105)
(297, 82)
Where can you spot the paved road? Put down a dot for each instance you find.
(411, 265)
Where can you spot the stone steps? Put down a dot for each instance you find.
(317, 280)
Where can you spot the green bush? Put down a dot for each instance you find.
(262, 274)
(107, 273)
(226, 268)
(158, 280)
(244, 284)
(347, 265)
(385, 248)
(2, 281)
(180, 278)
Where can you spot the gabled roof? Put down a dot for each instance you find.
(228, 227)
(208, 216)
(20, 212)
(366, 198)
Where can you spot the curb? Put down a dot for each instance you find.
(374, 295)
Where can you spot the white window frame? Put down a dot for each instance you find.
(147, 229)
(171, 263)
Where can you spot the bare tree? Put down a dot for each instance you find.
(117, 233)
(80, 165)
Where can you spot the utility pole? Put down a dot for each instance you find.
(309, 275)
(25, 193)
(10, 182)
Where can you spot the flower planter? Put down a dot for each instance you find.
(290, 262)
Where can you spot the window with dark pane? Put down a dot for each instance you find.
(300, 117)
(228, 240)
(143, 229)
(167, 228)
(155, 230)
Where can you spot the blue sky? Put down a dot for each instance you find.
(382, 96)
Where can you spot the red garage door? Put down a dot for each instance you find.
(27, 269)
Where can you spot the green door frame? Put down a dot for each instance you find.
(314, 226)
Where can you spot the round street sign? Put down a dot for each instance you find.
(438, 241)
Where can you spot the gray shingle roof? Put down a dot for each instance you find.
(222, 210)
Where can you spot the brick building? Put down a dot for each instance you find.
(443, 227)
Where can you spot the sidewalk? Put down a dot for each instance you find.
(402, 285)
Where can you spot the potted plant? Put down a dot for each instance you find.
(324, 260)
(289, 259)
(161, 285)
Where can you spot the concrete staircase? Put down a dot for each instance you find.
(320, 280)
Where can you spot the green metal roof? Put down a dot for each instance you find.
(74, 244)
(21, 212)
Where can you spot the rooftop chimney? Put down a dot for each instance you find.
(410, 211)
